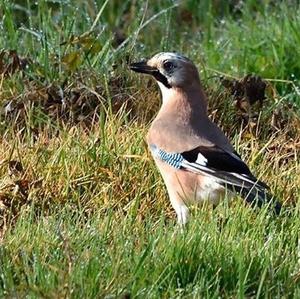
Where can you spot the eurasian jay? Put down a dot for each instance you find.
(194, 157)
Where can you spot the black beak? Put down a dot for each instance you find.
(142, 67)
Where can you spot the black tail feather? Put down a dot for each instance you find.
(257, 197)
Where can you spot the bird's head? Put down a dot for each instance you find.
(170, 70)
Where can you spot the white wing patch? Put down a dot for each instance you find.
(201, 160)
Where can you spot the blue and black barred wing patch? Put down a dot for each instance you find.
(173, 159)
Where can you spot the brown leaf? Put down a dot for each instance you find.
(4, 199)
(15, 63)
(23, 186)
(254, 89)
(10, 62)
(36, 184)
(246, 92)
(186, 16)
(15, 167)
(2, 64)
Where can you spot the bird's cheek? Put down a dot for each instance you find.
(176, 81)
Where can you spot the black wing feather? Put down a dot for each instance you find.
(218, 159)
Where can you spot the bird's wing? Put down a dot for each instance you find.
(222, 162)
(226, 167)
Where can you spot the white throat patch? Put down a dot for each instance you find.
(165, 92)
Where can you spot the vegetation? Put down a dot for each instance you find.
(83, 210)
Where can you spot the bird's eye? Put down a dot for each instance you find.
(168, 65)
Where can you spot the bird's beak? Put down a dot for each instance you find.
(143, 67)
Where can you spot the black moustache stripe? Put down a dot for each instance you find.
(161, 78)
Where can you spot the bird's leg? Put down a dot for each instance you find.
(182, 212)
(178, 201)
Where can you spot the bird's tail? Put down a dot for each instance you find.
(257, 197)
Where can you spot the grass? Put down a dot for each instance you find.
(83, 210)
(67, 255)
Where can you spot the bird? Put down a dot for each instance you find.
(196, 160)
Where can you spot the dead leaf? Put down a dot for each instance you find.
(11, 62)
(186, 16)
(23, 186)
(15, 168)
(246, 92)
(255, 89)
(36, 184)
